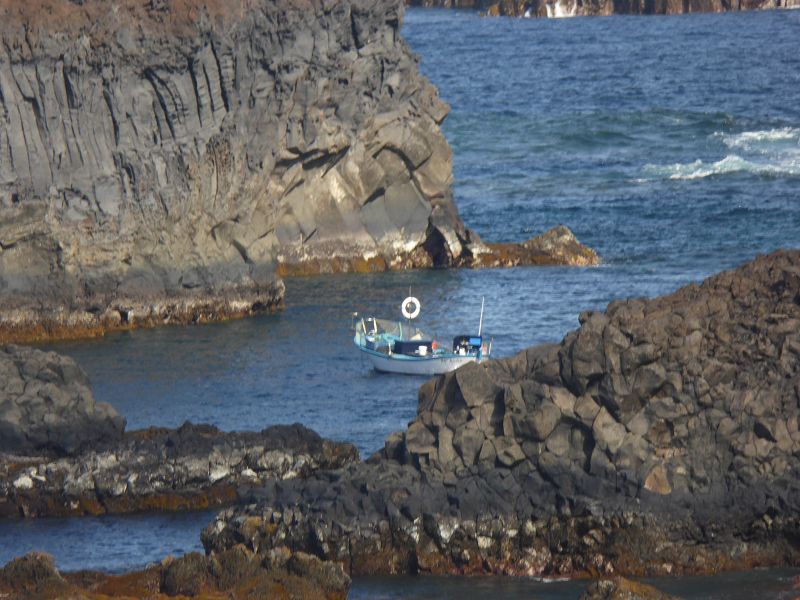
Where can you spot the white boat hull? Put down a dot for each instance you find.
(417, 365)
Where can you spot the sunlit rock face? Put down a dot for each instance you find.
(161, 160)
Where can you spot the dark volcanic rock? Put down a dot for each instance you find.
(574, 8)
(166, 162)
(192, 467)
(659, 437)
(46, 405)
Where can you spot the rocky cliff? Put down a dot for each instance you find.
(662, 436)
(159, 159)
(167, 161)
(581, 8)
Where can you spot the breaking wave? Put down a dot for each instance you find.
(730, 164)
(771, 153)
(762, 141)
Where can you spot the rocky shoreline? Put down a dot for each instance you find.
(233, 574)
(593, 8)
(193, 467)
(62, 454)
(659, 438)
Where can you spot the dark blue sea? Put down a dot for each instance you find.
(671, 145)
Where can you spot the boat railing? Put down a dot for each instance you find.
(384, 328)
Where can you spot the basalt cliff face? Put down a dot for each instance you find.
(662, 436)
(161, 159)
(168, 161)
(576, 8)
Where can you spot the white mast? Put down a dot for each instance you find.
(480, 324)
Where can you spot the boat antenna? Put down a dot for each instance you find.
(480, 324)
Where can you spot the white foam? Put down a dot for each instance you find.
(730, 164)
(559, 9)
(769, 152)
(761, 140)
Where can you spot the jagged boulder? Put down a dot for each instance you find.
(46, 405)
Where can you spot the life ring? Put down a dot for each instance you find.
(414, 306)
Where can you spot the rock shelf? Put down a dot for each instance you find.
(193, 467)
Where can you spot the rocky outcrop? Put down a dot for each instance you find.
(574, 8)
(189, 468)
(46, 405)
(233, 574)
(166, 162)
(662, 436)
(555, 246)
(63, 454)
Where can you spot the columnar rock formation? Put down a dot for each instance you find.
(573, 8)
(166, 161)
(662, 436)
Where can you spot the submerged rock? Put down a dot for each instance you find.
(46, 406)
(620, 588)
(661, 437)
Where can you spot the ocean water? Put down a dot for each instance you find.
(671, 145)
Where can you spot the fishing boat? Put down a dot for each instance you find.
(400, 347)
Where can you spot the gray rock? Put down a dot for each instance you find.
(166, 163)
(181, 161)
(46, 405)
